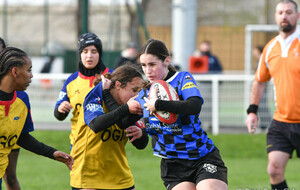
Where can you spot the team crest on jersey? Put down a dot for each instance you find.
(77, 91)
(210, 168)
(188, 85)
(61, 95)
(17, 118)
(98, 99)
(188, 77)
(94, 107)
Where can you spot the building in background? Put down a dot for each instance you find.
(224, 26)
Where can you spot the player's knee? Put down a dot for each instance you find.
(274, 170)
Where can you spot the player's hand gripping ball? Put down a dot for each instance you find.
(164, 91)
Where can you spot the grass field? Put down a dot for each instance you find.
(243, 154)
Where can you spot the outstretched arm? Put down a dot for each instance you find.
(29, 143)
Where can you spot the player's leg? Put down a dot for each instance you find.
(96, 189)
(276, 167)
(185, 185)
(130, 188)
(212, 172)
(208, 172)
(280, 148)
(10, 176)
(178, 174)
(212, 184)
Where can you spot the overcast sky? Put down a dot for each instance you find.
(60, 2)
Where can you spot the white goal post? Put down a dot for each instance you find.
(249, 30)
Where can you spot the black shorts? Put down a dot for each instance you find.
(284, 137)
(175, 171)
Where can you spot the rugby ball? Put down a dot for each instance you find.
(164, 91)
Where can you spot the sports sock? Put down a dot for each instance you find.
(280, 186)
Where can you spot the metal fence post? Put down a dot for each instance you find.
(215, 105)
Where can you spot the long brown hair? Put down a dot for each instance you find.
(158, 49)
(123, 74)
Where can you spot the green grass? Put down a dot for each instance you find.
(244, 155)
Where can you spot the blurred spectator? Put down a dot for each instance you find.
(215, 66)
(51, 51)
(263, 110)
(256, 53)
(46, 83)
(48, 64)
(127, 55)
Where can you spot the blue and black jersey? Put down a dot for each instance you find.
(185, 139)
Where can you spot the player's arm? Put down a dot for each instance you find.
(31, 144)
(257, 92)
(120, 116)
(111, 105)
(191, 106)
(106, 120)
(142, 142)
(109, 100)
(138, 136)
(63, 106)
(255, 97)
(61, 115)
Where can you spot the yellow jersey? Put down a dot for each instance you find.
(15, 119)
(100, 160)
